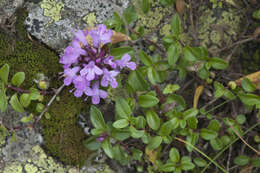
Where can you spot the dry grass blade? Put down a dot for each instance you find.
(180, 7)
(257, 32)
(247, 169)
(197, 94)
(253, 77)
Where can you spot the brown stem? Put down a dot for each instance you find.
(159, 93)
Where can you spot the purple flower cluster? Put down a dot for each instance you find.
(88, 65)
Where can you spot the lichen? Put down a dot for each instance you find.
(30, 168)
(154, 17)
(90, 19)
(13, 167)
(166, 30)
(52, 9)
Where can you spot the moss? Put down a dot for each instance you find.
(62, 135)
(63, 138)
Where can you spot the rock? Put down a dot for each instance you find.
(8, 7)
(53, 22)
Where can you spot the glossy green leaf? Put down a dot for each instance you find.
(123, 110)
(4, 72)
(154, 142)
(137, 82)
(173, 54)
(242, 160)
(153, 120)
(203, 73)
(241, 119)
(137, 154)
(122, 123)
(192, 112)
(34, 94)
(200, 162)
(3, 100)
(119, 52)
(146, 60)
(214, 125)
(192, 54)
(107, 147)
(96, 118)
(247, 85)
(152, 75)
(39, 107)
(192, 139)
(140, 122)
(208, 134)
(136, 133)
(171, 88)
(16, 105)
(25, 99)
(219, 89)
(186, 163)
(168, 167)
(147, 101)
(216, 144)
(27, 119)
(18, 79)
(249, 99)
(218, 63)
(176, 26)
(92, 144)
(174, 155)
(121, 134)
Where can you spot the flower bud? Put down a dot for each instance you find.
(43, 85)
(232, 85)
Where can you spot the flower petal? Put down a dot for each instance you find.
(95, 99)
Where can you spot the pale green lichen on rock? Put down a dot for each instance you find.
(13, 167)
(90, 19)
(52, 9)
(30, 168)
(154, 17)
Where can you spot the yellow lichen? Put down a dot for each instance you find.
(166, 30)
(30, 168)
(13, 167)
(52, 9)
(90, 19)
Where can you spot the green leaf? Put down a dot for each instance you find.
(178, 99)
(154, 142)
(161, 66)
(256, 162)
(249, 99)
(123, 110)
(137, 154)
(145, 6)
(218, 63)
(4, 72)
(216, 144)
(166, 128)
(119, 52)
(242, 160)
(173, 54)
(120, 135)
(256, 14)
(220, 89)
(18, 79)
(147, 101)
(136, 133)
(27, 118)
(107, 147)
(119, 124)
(208, 134)
(153, 120)
(192, 139)
(192, 112)
(200, 162)
(174, 155)
(92, 144)
(203, 73)
(146, 60)
(192, 54)
(186, 163)
(241, 119)
(25, 99)
(130, 14)
(247, 85)
(34, 94)
(214, 125)
(96, 118)
(168, 167)
(3, 100)
(39, 107)
(225, 139)
(176, 26)
(16, 105)
(152, 75)
(3, 133)
(136, 81)
(140, 122)
(171, 88)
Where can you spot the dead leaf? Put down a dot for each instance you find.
(253, 2)
(180, 7)
(257, 32)
(253, 77)
(197, 94)
(119, 37)
(247, 169)
(152, 155)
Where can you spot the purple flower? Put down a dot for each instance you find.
(109, 61)
(90, 70)
(101, 35)
(81, 36)
(124, 62)
(70, 74)
(109, 77)
(72, 53)
(100, 138)
(80, 83)
(95, 93)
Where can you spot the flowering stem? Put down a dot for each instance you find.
(20, 90)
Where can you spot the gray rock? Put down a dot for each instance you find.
(8, 7)
(53, 22)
